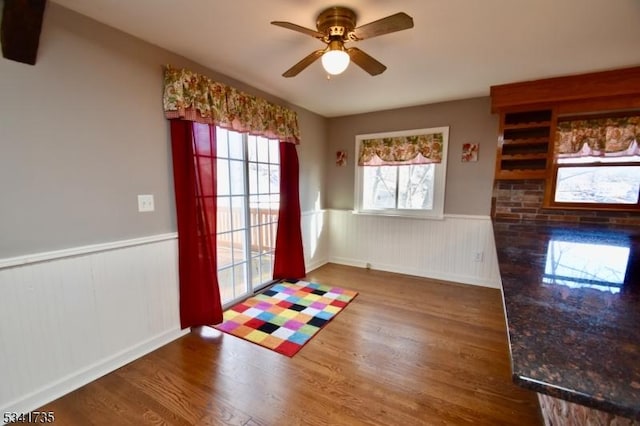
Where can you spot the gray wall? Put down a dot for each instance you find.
(468, 186)
(82, 133)
(311, 154)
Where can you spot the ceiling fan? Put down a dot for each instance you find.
(337, 26)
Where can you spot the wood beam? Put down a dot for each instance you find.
(20, 29)
(613, 85)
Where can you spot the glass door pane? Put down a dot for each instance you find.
(248, 185)
(231, 216)
(264, 199)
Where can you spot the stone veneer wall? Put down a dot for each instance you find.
(522, 199)
(558, 412)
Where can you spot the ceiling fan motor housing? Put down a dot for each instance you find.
(336, 22)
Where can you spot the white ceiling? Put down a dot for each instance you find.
(457, 48)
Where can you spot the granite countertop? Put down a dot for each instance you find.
(572, 300)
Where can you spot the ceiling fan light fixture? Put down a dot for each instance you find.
(335, 60)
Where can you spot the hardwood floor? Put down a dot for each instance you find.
(406, 351)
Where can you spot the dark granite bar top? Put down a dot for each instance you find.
(572, 301)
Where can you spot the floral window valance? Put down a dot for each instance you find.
(399, 150)
(601, 137)
(195, 97)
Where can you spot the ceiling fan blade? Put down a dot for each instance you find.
(366, 62)
(298, 28)
(398, 22)
(304, 63)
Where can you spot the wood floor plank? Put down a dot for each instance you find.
(406, 351)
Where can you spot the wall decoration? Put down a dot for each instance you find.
(341, 158)
(470, 152)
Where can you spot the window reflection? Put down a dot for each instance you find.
(580, 264)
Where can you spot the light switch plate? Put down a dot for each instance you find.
(145, 203)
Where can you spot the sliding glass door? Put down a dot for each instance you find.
(248, 199)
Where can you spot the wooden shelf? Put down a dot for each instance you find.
(521, 174)
(528, 125)
(526, 133)
(516, 118)
(530, 141)
(525, 157)
(524, 147)
(525, 143)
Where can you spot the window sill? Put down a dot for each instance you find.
(400, 215)
(592, 207)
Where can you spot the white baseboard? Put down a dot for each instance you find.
(456, 278)
(315, 265)
(55, 390)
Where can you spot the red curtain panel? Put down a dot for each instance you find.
(289, 255)
(194, 171)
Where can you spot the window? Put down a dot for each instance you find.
(597, 163)
(402, 173)
(398, 187)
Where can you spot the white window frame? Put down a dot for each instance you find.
(440, 175)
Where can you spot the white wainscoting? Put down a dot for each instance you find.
(441, 249)
(71, 316)
(315, 238)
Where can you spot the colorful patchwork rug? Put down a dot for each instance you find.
(287, 315)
